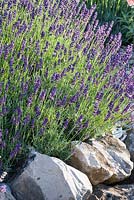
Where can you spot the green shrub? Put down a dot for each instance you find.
(126, 22)
(61, 77)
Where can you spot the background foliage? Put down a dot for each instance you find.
(119, 12)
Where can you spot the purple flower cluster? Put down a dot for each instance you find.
(15, 151)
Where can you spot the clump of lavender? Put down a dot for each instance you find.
(62, 77)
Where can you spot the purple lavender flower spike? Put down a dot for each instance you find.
(86, 124)
(88, 67)
(65, 124)
(55, 77)
(57, 46)
(4, 110)
(45, 122)
(117, 108)
(42, 130)
(53, 93)
(77, 106)
(99, 96)
(25, 87)
(16, 136)
(3, 144)
(63, 73)
(74, 98)
(27, 119)
(37, 111)
(2, 100)
(107, 116)
(46, 4)
(32, 123)
(62, 102)
(15, 120)
(42, 34)
(15, 151)
(98, 112)
(1, 86)
(19, 111)
(126, 109)
(23, 45)
(130, 90)
(37, 85)
(29, 101)
(0, 133)
(57, 115)
(42, 95)
(85, 90)
(111, 105)
(11, 62)
(79, 120)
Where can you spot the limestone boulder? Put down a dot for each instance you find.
(50, 178)
(104, 160)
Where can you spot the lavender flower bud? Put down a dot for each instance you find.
(45, 122)
(107, 116)
(62, 102)
(74, 98)
(37, 85)
(29, 101)
(53, 93)
(0, 133)
(79, 120)
(26, 120)
(57, 115)
(37, 111)
(15, 151)
(42, 95)
(65, 124)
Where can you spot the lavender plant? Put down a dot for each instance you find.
(63, 77)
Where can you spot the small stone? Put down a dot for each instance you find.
(119, 192)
